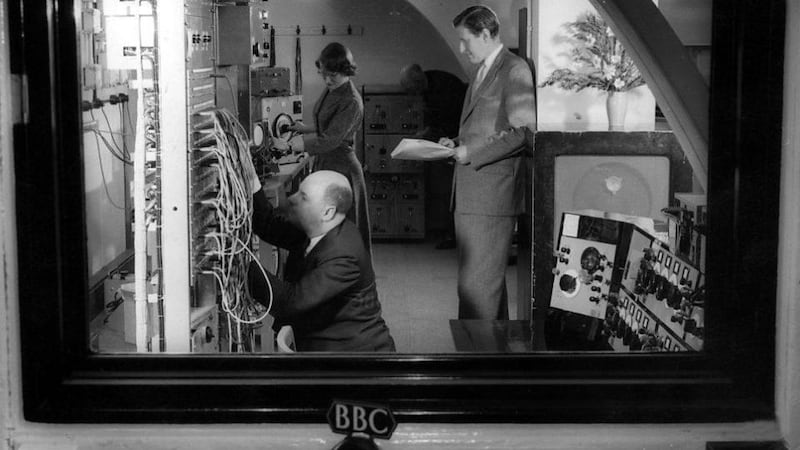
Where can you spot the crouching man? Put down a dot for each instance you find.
(328, 294)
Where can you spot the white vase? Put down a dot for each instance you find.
(616, 107)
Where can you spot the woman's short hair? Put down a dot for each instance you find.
(477, 18)
(336, 58)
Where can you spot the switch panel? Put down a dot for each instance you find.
(393, 113)
(582, 276)
(646, 296)
(381, 218)
(244, 36)
(410, 220)
(378, 159)
(396, 188)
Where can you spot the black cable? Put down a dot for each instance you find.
(111, 149)
(121, 155)
(128, 109)
(111, 132)
(122, 127)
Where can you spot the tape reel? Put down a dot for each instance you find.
(280, 126)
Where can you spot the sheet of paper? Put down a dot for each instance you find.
(421, 150)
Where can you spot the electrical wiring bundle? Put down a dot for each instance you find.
(221, 225)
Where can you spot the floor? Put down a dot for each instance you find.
(417, 289)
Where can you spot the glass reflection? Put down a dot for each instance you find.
(611, 246)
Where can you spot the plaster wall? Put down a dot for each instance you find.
(395, 34)
(441, 13)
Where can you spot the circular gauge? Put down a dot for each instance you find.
(280, 126)
(590, 259)
(258, 134)
(568, 283)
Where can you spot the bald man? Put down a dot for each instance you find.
(328, 294)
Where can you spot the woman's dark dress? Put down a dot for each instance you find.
(337, 116)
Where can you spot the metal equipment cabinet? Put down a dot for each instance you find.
(396, 188)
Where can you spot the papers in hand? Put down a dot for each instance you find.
(421, 150)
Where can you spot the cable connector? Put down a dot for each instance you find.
(97, 103)
(86, 105)
(113, 99)
(123, 98)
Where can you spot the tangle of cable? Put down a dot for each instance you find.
(229, 245)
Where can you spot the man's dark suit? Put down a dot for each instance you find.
(498, 115)
(328, 296)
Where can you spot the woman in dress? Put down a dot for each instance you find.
(337, 118)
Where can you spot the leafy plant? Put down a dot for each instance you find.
(598, 59)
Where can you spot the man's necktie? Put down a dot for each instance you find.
(479, 78)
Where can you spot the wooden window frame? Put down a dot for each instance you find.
(732, 381)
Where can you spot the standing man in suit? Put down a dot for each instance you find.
(489, 185)
(328, 293)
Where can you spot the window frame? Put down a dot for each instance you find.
(733, 381)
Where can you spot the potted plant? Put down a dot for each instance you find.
(598, 61)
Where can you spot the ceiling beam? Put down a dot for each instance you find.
(670, 73)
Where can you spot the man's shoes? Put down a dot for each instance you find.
(446, 244)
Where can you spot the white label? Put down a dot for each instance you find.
(570, 227)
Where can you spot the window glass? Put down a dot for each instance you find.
(605, 241)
